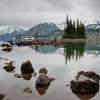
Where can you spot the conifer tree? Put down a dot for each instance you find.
(74, 29)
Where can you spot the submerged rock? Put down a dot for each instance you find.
(27, 90)
(18, 75)
(43, 70)
(26, 67)
(85, 82)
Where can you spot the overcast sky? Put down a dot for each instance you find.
(31, 12)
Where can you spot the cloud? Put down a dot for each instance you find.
(29, 12)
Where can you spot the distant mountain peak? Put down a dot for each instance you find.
(93, 28)
(9, 29)
(43, 29)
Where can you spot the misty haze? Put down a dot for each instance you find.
(49, 49)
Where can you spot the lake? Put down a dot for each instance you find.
(63, 62)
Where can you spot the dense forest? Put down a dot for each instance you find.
(74, 29)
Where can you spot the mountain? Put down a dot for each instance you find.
(8, 32)
(44, 30)
(93, 28)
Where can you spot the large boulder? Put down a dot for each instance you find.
(85, 82)
(26, 67)
(27, 70)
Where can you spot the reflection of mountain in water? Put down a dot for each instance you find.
(70, 50)
(74, 50)
(45, 49)
(93, 49)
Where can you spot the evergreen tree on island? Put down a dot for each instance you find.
(74, 29)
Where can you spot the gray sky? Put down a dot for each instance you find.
(31, 12)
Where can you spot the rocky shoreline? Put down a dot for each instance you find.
(49, 41)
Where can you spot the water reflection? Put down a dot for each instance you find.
(42, 89)
(93, 49)
(2, 96)
(85, 96)
(74, 51)
(45, 49)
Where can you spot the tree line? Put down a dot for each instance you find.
(74, 29)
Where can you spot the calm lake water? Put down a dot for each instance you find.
(62, 62)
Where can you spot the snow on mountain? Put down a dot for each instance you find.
(93, 26)
(43, 29)
(61, 26)
(9, 29)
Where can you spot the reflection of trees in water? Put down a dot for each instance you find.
(74, 50)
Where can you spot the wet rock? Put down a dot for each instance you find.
(43, 70)
(9, 67)
(18, 75)
(85, 82)
(27, 76)
(43, 80)
(26, 67)
(27, 90)
(6, 47)
(90, 74)
(27, 70)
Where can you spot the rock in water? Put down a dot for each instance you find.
(9, 66)
(26, 67)
(42, 80)
(27, 70)
(6, 47)
(27, 90)
(43, 70)
(85, 82)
